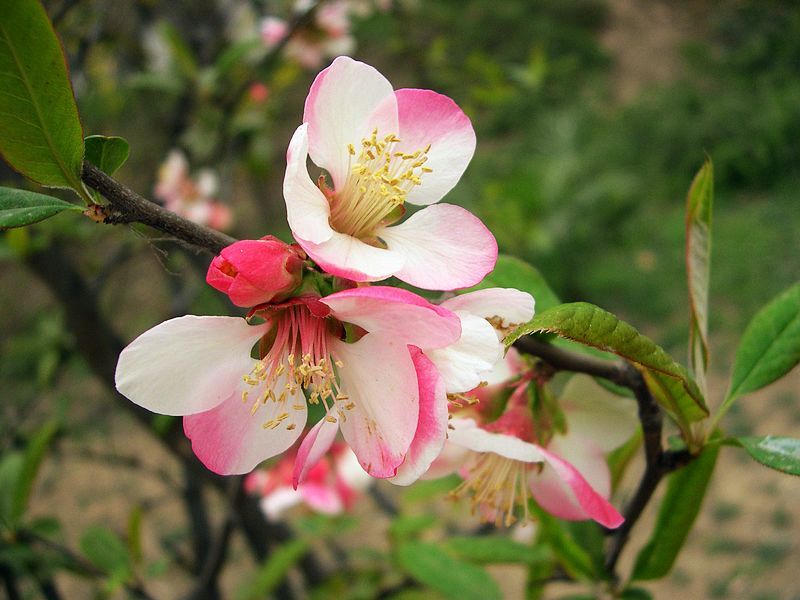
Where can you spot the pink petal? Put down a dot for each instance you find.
(512, 306)
(348, 257)
(322, 498)
(562, 490)
(445, 247)
(409, 318)
(430, 118)
(432, 426)
(230, 439)
(379, 378)
(307, 209)
(467, 434)
(469, 361)
(313, 447)
(188, 364)
(337, 111)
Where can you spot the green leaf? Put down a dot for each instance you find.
(511, 272)
(770, 346)
(699, 204)
(405, 526)
(21, 207)
(592, 326)
(274, 570)
(107, 153)
(619, 458)
(685, 492)
(106, 550)
(135, 534)
(33, 456)
(182, 55)
(775, 452)
(11, 465)
(40, 132)
(577, 562)
(432, 566)
(495, 549)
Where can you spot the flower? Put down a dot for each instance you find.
(254, 272)
(500, 469)
(192, 199)
(383, 148)
(273, 30)
(332, 485)
(505, 461)
(356, 352)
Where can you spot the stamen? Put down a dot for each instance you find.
(493, 482)
(379, 180)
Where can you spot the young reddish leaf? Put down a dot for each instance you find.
(699, 203)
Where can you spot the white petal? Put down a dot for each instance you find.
(188, 364)
(307, 209)
(379, 377)
(595, 413)
(445, 248)
(338, 109)
(512, 306)
(466, 433)
(468, 362)
(348, 257)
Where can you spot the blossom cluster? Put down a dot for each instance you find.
(193, 198)
(414, 387)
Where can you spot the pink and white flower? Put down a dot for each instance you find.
(191, 198)
(331, 487)
(500, 468)
(382, 149)
(239, 411)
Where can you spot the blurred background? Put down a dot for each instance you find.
(592, 117)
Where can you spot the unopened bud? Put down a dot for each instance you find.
(255, 272)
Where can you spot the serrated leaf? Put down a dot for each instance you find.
(270, 574)
(679, 508)
(770, 346)
(19, 208)
(40, 132)
(106, 550)
(495, 550)
(430, 565)
(107, 153)
(511, 272)
(699, 203)
(773, 451)
(592, 326)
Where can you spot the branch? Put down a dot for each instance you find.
(658, 463)
(126, 206)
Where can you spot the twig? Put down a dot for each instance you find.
(126, 206)
(658, 463)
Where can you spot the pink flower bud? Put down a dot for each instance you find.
(273, 30)
(253, 272)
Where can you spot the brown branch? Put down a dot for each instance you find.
(658, 463)
(126, 206)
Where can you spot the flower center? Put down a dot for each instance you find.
(497, 485)
(297, 367)
(377, 185)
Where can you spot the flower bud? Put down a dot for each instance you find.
(254, 272)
